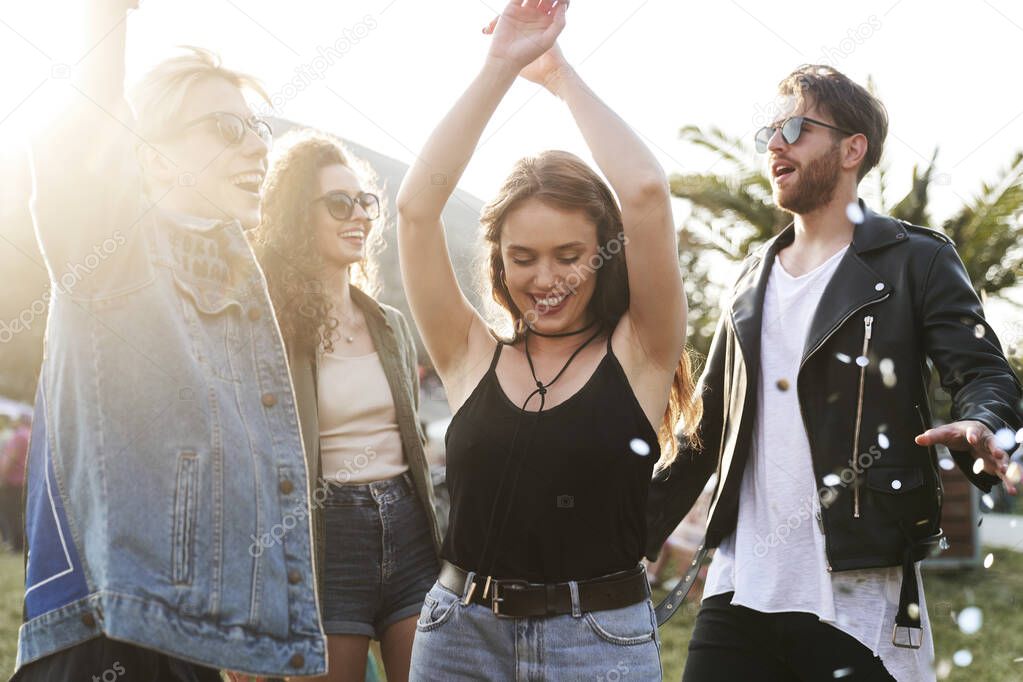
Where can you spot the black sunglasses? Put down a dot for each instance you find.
(341, 204)
(232, 127)
(791, 129)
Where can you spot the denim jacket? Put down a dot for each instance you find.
(166, 444)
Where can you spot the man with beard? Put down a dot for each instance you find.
(816, 418)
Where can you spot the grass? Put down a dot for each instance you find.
(997, 591)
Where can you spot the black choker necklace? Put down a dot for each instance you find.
(531, 330)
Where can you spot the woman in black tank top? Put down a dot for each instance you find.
(557, 430)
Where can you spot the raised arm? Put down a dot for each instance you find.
(447, 321)
(85, 179)
(657, 304)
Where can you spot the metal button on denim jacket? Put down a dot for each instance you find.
(168, 489)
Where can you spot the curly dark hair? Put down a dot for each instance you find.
(564, 181)
(285, 240)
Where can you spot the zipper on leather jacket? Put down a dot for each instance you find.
(802, 413)
(868, 324)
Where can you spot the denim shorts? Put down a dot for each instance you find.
(380, 557)
(457, 641)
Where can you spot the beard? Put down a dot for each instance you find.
(816, 185)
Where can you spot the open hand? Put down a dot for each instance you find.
(521, 34)
(977, 439)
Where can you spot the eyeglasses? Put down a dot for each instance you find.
(341, 205)
(791, 129)
(232, 127)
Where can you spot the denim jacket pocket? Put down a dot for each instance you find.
(213, 315)
(185, 504)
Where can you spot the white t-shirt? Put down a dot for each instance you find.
(774, 561)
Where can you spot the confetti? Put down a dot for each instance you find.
(978, 466)
(640, 447)
(831, 480)
(943, 669)
(962, 658)
(979, 331)
(970, 620)
(783, 384)
(887, 366)
(863, 361)
(913, 610)
(946, 463)
(988, 502)
(883, 441)
(988, 560)
(842, 672)
(842, 357)
(1019, 436)
(1005, 438)
(854, 213)
(896, 484)
(1014, 473)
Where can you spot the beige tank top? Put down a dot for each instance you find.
(359, 437)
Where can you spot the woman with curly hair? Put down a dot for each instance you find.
(353, 364)
(552, 445)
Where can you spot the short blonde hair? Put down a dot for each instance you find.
(159, 96)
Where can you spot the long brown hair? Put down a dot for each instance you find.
(285, 240)
(564, 181)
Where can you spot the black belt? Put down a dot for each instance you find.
(908, 616)
(521, 599)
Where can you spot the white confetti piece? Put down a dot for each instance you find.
(640, 447)
(962, 658)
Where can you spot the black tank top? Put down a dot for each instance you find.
(584, 470)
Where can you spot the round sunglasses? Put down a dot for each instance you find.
(341, 204)
(232, 127)
(791, 129)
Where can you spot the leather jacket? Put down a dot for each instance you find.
(900, 295)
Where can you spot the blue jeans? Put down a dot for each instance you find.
(380, 556)
(455, 641)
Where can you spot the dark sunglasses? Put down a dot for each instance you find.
(791, 129)
(232, 127)
(341, 205)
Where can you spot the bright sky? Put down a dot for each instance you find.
(383, 72)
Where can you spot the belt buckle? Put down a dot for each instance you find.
(909, 641)
(497, 599)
